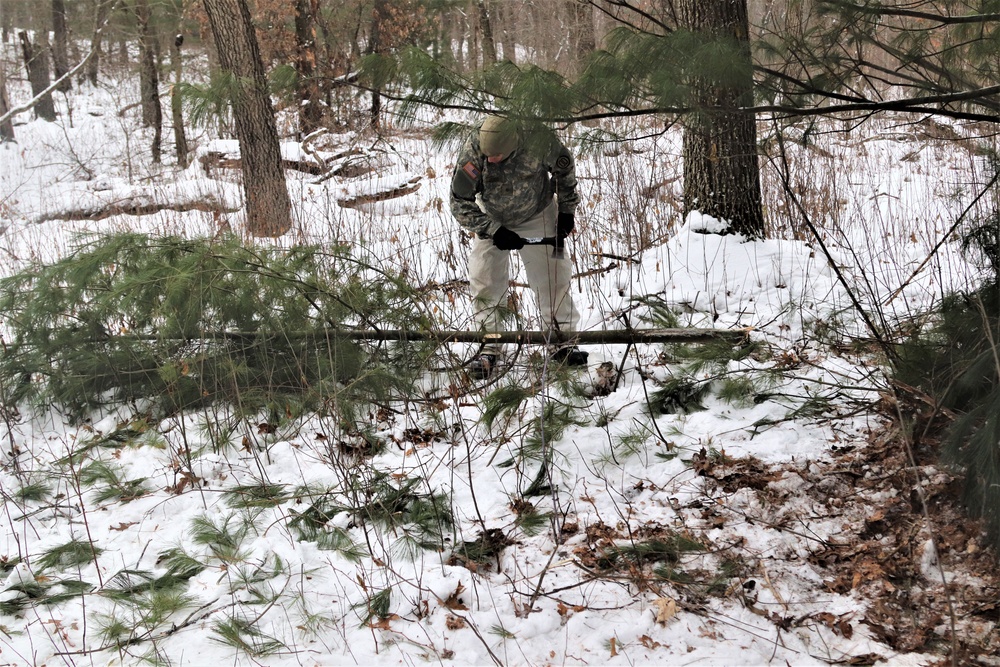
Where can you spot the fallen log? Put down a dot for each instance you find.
(595, 337)
(100, 212)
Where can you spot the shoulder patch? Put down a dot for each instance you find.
(471, 171)
(563, 162)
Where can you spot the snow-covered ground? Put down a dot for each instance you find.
(746, 490)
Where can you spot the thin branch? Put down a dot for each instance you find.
(882, 10)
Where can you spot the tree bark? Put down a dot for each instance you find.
(267, 203)
(379, 18)
(7, 126)
(7, 21)
(310, 109)
(149, 76)
(486, 30)
(176, 105)
(721, 170)
(583, 40)
(101, 10)
(507, 15)
(37, 66)
(60, 57)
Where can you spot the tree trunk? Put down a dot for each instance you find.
(176, 105)
(60, 57)
(269, 209)
(486, 30)
(37, 66)
(585, 41)
(101, 10)
(721, 171)
(310, 109)
(149, 76)
(7, 126)
(379, 17)
(7, 21)
(507, 19)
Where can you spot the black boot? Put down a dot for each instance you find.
(570, 355)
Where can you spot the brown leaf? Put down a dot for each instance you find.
(666, 609)
(123, 526)
(383, 623)
(454, 600)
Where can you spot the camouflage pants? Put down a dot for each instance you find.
(548, 277)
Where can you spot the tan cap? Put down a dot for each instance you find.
(497, 136)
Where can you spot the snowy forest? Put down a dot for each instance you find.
(241, 420)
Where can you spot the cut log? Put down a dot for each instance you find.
(597, 337)
(133, 207)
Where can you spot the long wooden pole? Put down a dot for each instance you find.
(597, 337)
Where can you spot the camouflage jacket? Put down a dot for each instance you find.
(486, 195)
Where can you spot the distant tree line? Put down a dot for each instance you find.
(712, 66)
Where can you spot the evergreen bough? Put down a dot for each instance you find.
(957, 361)
(191, 322)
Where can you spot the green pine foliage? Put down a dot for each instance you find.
(957, 361)
(375, 606)
(72, 554)
(374, 497)
(109, 482)
(666, 549)
(246, 637)
(679, 395)
(635, 70)
(45, 593)
(188, 323)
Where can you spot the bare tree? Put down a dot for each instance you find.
(376, 39)
(149, 76)
(585, 39)
(176, 104)
(37, 66)
(101, 9)
(6, 125)
(269, 209)
(60, 36)
(310, 109)
(486, 34)
(721, 170)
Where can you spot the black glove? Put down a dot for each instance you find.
(565, 224)
(504, 239)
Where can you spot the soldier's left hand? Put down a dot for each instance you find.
(565, 224)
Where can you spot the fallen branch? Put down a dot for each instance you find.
(401, 190)
(100, 213)
(222, 161)
(597, 337)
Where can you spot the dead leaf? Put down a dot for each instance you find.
(383, 623)
(453, 622)
(454, 600)
(123, 526)
(666, 609)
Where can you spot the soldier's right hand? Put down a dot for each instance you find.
(505, 239)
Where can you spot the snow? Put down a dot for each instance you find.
(542, 602)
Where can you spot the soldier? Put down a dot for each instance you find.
(510, 185)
